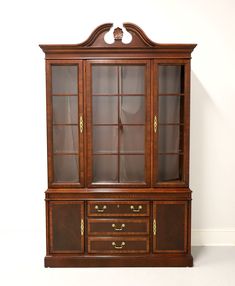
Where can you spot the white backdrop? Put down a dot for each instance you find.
(25, 24)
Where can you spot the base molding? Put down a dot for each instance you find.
(120, 261)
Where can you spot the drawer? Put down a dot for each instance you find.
(118, 208)
(113, 245)
(110, 226)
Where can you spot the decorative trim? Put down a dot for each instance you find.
(118, 34)
(96, 41)
(213, 237)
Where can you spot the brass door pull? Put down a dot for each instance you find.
(100, 210)
(154, 227)
(118, 229)
(118, 247)
(155, 124)
(82, 227)
(81, 124)
(136, 210)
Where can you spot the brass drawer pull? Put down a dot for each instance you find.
(136, 210)
(100, 210)
(118, 229)
(118, 247)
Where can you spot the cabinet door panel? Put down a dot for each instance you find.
(170, 220)
(64, 114)
(171, 123)
(118, 105)
(66, 225)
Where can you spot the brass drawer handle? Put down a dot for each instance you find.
(136, 210)
(100, 210)
(118, 247)
(118, 229)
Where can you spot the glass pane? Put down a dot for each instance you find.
(105, 109)
(66, 168)
(65, 110)
(132, 79)
(132, 168)
(104, 79)
(169, 139)
(105, 139)
(169, 168)
(65, 139)
(171, 79)
(132, 139)
(132, 109)
(170, 109)
(105, 169)
(64, 79)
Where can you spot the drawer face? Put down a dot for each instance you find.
(113, 245)
(103, 226)
(118, 208)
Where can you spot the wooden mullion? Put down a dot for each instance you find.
(119, 120)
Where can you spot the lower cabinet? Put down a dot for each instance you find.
(154, 229)
(66, 227)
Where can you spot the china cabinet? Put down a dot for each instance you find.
(118, 152)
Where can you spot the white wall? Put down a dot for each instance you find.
(25, 24)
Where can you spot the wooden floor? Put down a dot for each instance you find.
(212, 266)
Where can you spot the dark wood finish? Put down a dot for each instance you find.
(114, 245)
(118, 208)
(120, 226)
(168, 203)
(120, 261)
(171, 227)
(66, 227)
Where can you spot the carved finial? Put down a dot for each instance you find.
(118, 34)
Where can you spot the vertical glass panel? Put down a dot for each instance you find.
(105, 109)
(105, 139)
(64, 79)
(132, 168)
(132, 139)
(65, 139)
(105, 169)
(104, 79)
(171, 79)
(132, 79)
(132, 109)
(170, 109)
(65, 110)
(169, 168)
(169, 139)
(66, 168)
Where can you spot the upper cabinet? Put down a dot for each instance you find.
(118, 114)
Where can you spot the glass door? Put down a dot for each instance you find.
(65, 116)
(170, 122)
(118, 123)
